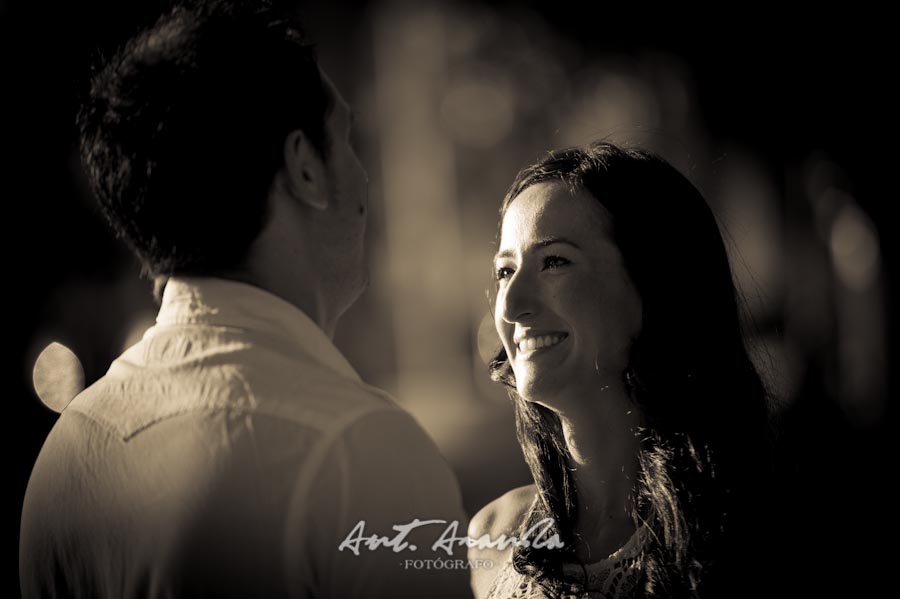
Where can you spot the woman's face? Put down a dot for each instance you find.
(566, 309)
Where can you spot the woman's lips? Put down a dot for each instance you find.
(535, 343)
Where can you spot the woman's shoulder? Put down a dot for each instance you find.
(504, 514)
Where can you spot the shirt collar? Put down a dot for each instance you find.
(225, 302)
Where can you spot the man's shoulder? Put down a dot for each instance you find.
(134, 395)
(323, 402)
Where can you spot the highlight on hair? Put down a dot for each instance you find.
(704, 436)
(183, 130)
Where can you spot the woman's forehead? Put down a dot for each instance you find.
(552, 208)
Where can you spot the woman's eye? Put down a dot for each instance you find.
(554, 262)
(503, 273)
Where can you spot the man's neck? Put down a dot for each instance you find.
(291, 288)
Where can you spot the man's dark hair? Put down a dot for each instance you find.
(184, 129)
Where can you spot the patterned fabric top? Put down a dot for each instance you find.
(615, 577)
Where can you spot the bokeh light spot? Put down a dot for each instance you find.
(58, 376)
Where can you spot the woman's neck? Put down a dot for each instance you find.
(601, 439)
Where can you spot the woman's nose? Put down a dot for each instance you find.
(517, 300)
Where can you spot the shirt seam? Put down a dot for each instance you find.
(318, 456)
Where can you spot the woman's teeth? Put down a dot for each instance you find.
(532, 343)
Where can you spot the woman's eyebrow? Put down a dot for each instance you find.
(541, 243)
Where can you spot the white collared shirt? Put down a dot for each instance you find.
(231, 452)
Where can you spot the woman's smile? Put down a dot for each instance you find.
(530, 344)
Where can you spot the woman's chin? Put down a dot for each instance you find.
(534, 394)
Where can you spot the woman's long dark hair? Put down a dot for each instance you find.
(703, 443)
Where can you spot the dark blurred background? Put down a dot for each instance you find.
(784, 122)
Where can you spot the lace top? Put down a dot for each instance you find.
(615, 577)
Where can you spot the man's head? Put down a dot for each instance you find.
(189, 129)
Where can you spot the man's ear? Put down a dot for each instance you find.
(305, 171)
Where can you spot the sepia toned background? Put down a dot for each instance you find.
(784, 123)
